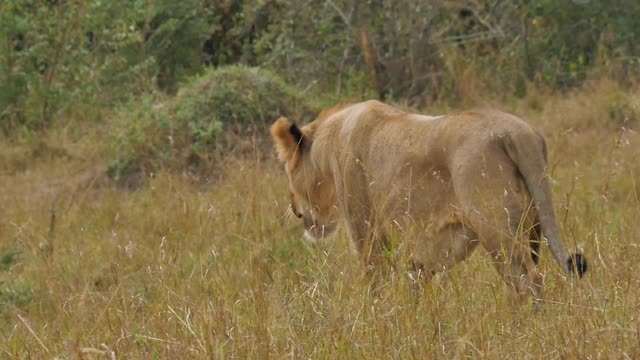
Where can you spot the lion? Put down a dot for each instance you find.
(442, 185)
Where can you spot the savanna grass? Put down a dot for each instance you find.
(178, 269)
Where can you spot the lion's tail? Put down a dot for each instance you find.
(528, 152)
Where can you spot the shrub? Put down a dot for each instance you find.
(186, 131)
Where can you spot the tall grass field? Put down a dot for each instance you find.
(213, 268)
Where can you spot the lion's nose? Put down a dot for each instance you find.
(295, 211)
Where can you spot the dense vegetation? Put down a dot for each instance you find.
(143, 214)
(64, 57)
(210, 114)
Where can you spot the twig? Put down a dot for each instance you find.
(344, 17)
(151, 338)
(573, 305)
(6, 352)
(24, 322)
(188, 328)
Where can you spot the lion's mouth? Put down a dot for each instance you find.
(318, 232)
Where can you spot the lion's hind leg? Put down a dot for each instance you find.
(438, 251)
(444, 247)
(495, 205)
(512, 257)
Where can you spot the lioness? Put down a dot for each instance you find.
(442, 184)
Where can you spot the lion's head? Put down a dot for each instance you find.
(313, 195)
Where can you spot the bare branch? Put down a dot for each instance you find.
(26, 324)
(344, 17)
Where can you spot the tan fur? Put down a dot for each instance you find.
(442, 185)
(285, 144)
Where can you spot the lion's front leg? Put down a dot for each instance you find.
(369, 242)
(360, 213)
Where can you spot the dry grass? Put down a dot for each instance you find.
(178, 270)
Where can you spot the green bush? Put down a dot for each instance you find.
(185, 132)
(11, 291)
(18, 295)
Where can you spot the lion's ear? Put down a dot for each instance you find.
(288, 138)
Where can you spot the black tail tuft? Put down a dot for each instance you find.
(577, 263)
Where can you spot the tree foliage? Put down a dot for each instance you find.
(66, 56)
